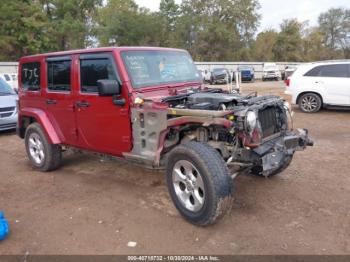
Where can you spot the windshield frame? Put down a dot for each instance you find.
(136, 86)
(5, 88)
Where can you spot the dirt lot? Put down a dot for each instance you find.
(96, 206)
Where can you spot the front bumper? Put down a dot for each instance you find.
(8, 123)
(273, 153)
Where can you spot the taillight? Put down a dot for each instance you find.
(287, 82)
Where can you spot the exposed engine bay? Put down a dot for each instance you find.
(247, 112)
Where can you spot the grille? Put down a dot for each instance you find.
(268, 121)
(5, 115)
(7, 109)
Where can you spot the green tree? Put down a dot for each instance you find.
(315, 47)
(168, 15)
(335, 25)
(263, 47)
(70, 22)
(23, 29)
(289, 43)
(121, 22)
(217, 29)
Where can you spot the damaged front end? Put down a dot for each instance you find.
(268, 141)
(250, 132)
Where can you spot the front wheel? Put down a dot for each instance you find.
(199, 183)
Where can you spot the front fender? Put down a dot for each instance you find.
(53, 134)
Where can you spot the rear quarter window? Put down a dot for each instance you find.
(30, 76)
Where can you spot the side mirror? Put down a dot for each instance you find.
(108, 87)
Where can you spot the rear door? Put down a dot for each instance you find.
(59, 97)
(102, 126)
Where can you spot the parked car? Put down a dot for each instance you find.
(220, 76)
(148, 106)
(8, 107)
(11, 79)
(322, 84)
(271, 72)
(247, 73)
(205, 75)
(288, 71)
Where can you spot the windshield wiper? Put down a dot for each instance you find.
(5, 93)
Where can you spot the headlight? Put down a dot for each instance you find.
(251, 120)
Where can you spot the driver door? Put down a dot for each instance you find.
(101, 125)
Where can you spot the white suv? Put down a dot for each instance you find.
(321, 84)
(271, 71)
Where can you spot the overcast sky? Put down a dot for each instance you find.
(274, 11)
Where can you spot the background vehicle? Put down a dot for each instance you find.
(205, 75)
(247, 73)
(220, 76)
(8, 106)
(148, 106)
(11, 79)
(289, 70)
(271, 72)
(321, 84)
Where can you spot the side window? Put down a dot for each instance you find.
(30, 76)
(340, 70)
(335, 70)
(58, 75)
(92, 70)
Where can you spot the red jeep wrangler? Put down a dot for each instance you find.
(148, 106)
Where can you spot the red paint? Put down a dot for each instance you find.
(101, 127)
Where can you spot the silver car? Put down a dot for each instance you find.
(8, 106)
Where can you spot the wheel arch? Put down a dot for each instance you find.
(308, 92)
(28, 116)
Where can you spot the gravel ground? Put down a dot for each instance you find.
(97, 206)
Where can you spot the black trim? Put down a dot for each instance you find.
(96, 56)
(58, 58)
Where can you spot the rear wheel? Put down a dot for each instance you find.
(199, 183)
(310, 103)
(43, 155)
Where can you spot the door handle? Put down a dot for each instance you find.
(51, 101)
(82, 104)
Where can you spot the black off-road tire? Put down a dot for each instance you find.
(313, 98)
(257, 170)
(216, 179)
(52, 153)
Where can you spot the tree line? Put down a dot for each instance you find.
(211, 30)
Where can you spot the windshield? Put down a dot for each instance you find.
(5, 88)
(148, 68)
